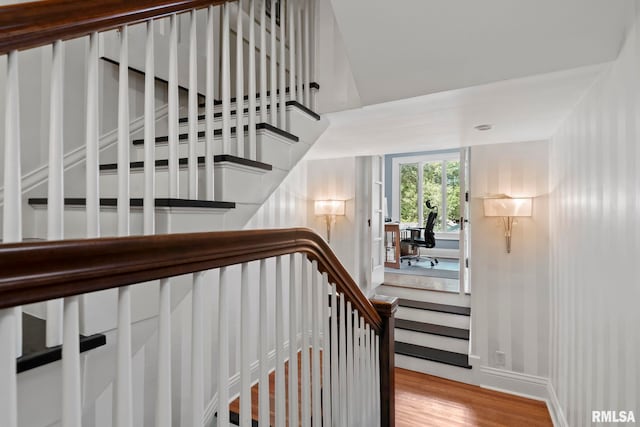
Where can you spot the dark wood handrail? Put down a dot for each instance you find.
(33, 24)
(38, 271)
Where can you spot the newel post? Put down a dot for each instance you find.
(386, 308)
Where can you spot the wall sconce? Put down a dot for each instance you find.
(329, 208)
(508, 208)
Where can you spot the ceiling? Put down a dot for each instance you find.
(525, 109)
(407, 48)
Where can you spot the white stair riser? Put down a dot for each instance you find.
(272, 149)
(434, 317)
(433, 341)
(425, 295)
(428, 367)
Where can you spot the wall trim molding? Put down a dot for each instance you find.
(38, 176)
(555, 409)
(516, 383)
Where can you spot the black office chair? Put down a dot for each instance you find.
(422, 238)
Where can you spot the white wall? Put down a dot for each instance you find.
(595, 243)
(509, 292)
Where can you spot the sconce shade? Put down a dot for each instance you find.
(508, 207)
(329, 207)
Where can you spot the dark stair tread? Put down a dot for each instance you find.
(312, 85)
(218, 132)
(35, 353)
(433, 354)
(432, 306)
(185, 161)
(136, 202)
(430, 328)
(246, 110)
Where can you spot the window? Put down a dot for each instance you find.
(436, 178)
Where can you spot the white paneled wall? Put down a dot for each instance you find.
(509, 302)
(595, 242)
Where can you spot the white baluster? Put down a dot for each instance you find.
(304, 320)
(55, 203)
(123, 134)
(376, 358)
(163, 400)
(362, 372)
(280, 385)
(8, 380)
(223, 350)
(282, 121)
(307, 57)
(251, 124)
(263, 390)
(193, 107)
(291, 8)
(209, 109)
(273, 61)
(263, 61)
(123, 384)
(71, 396)
(174, 108)
(344, 396)
(149, 133)
(336, 396)
(315, 349)
(293, 347)
(298, 47)
(245, 372)
(326, 350)
(372, 376)
(357, 379)
(350, 385)
(92, 139)
(239, 82)
(197, 349)
(226, 84)
(367, 374)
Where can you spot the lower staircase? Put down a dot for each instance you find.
(431, 331)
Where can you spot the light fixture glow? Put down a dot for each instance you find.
(508, 208)
(329, 209)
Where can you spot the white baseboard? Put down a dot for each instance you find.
(516, 383)
(38, 176)
(555, 410)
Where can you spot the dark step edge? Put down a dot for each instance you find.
(432, 306)
(219, 114)
(218, 132)
(234, 418)
(312, 85)
(432, 354)
(34, 349)
(185, 161)
(136, 202)
(137, 71)
(432, 329)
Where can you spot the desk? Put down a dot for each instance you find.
(392, 245)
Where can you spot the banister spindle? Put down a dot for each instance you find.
(251, 123)
(376, 376)
(226, 82)
(55, 203)
(367, 374)
(282, 119)
(92, 139)
(239, 81)
(315, 349)
(336, 392)
(174, 106)
(273, 61)
(209, 109)
(298, 47)
(245, 372)
(149, 133)
(327, 383)
(343, 363)
(223, 350)
(263, 61)
(8, 378)
(304, 320)
(193, 106)
(350, 386)
(307, 56)
(163, 398)
(357, 379)
(280, 385)
(197, 349)
(263, 341)
(293, 343)
(71, 396)
(291, 7)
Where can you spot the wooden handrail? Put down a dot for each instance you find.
(39, 271)
(33, 24)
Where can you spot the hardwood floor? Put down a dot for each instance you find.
(423, 400)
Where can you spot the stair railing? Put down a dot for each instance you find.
(344, 342)
(55, 22)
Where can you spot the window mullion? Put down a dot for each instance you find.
(443, 202)
(420, 195)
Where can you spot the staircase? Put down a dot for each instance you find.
(432, 331)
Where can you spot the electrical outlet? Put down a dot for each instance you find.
(500, 359)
